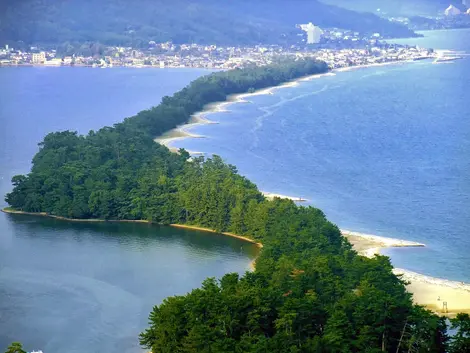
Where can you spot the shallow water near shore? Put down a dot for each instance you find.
(382, 150)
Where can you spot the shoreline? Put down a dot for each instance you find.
(426, 290)
(141, 221)
(430, 292)
(181, 132)
(208, 230)
(271, 196)
(90, 66)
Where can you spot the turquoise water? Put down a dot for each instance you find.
(74, 287)
(382, 150)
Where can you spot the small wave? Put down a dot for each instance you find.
(268, 111)
(389, 242)
(377, 73)
(414, 276)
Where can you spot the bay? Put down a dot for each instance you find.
(80, 287)
(381, 150)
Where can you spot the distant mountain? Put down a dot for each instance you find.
(124, 22)
(398, 7)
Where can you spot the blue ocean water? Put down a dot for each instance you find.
(37, 100)
(382, 150)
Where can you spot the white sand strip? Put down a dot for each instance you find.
(382, 241)
(271, 196)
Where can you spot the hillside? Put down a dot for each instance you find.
(397, 7)
(119, 22)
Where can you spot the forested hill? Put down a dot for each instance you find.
(135, 23)
(310, 292)
(398, 7)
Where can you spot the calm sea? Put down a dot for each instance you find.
(381, 150)
(68, 287)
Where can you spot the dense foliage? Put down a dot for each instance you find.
(310, 292)
(15, 347)
(135, 23)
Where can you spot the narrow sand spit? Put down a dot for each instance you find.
(439, 295)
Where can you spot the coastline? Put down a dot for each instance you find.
(430, 292)
(249, 240)
(182, 132)
(426, 290)
(91, 220)
(271, 196)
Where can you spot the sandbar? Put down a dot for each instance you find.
(200, 118)
(272, 196)
(442, 296)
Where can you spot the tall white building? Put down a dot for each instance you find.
(452, 11)
(314, 33)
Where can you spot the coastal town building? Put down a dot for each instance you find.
(38, 58)
(452, 11)
(68, 60)
(314, 33)
(53, 62)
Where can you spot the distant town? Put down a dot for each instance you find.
(452, 17)
(338, 48)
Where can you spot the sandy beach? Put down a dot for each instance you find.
(272, 196)
(182, 132)
(399, 62)
(185, 226)
(428, 291)
(439, 295)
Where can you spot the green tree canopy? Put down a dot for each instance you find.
(15, 347)
(311, 292)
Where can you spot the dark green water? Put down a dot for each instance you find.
(81, 287)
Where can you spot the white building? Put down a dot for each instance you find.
(468, 12)
(68, 60)
(53, 62)
(38, 58)
(314, 33)
(452, 11)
